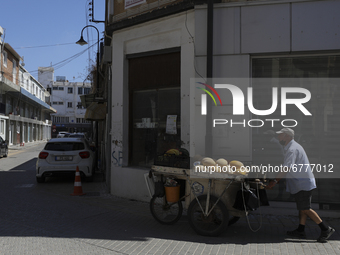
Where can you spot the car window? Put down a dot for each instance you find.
(76, 135)
(64, 146)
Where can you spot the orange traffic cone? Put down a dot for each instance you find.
(78, 191)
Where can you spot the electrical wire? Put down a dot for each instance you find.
(193, 40)
(42, 46)
(245, 208)
(67, 60)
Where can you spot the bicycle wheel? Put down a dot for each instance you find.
(165, 212)
(213, 224)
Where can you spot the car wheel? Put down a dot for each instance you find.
(6, 153)
(91, 178)
(40, 179)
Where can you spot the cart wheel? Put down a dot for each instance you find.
(165, 212)
(233, 220)
(212, 225)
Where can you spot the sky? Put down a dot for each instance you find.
(44, 32)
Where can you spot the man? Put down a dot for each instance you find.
(300, 182)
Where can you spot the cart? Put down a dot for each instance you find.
(209, 199)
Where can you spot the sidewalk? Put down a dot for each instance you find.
(114, 225)
(289, 209)
(135, 231)
(26, 145)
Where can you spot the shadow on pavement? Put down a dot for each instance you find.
(48, 210)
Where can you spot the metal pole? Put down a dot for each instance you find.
(97, 89)
(210, 27)
(2, 45)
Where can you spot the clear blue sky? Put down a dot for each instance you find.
(30, 24)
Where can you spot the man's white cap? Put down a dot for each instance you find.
(287, 131)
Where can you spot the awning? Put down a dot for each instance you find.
(96, 111)
(86, 100)
(35, 99)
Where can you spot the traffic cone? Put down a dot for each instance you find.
(78, 191)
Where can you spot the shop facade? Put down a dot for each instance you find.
(23, 130)
(287, 39)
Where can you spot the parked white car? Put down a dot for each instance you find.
(62, 156)
(61, 134)
(80, 135)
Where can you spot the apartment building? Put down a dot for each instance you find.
(24, 113)
(65, 98)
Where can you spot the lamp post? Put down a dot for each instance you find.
(82, 42)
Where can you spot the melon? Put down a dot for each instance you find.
(208, 162)
(222, 162)
(236, 164)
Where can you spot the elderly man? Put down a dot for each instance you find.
(300, 182)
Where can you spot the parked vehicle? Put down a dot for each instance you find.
(3, 147)
(62, 156)
(80, 135)
(61, 134)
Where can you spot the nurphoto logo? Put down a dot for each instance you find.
(238, 104)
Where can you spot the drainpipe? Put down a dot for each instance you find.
(209, 119)
(2, 45)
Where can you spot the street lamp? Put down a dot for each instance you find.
(82, 42)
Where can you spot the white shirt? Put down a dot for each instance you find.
(299, 176)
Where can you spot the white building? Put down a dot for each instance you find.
(24, 112)
(65, 98)
(157, 50)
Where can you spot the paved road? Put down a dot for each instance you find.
(45, 219)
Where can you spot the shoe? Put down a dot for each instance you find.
(296, 233)
(325, 235)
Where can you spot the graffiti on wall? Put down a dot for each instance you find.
(117, 158)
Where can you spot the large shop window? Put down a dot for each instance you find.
(150, 112)
(154, 95)
(318, 134)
